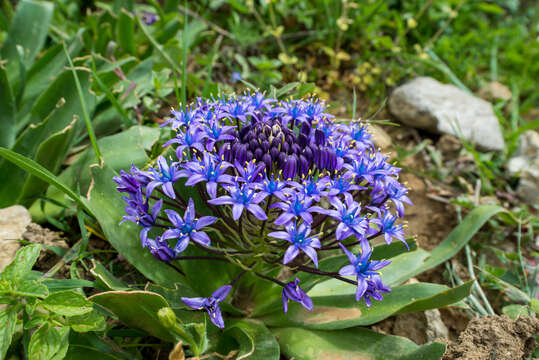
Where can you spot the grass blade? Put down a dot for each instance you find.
(37, 170)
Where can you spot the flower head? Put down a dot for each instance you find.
(352, 220)
(164, 175)
(297, 206)
(210, 304)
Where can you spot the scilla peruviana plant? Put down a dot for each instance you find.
(285, 184)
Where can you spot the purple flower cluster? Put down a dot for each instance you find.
(281, 177)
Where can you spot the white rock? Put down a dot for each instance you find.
(380, 137)
(436, 329)
(525, 164)
(428, 104)
(13, 223)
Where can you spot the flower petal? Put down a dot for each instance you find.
(221, 293)
(290, 254)
(194, 303)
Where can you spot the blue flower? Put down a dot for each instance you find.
(292, 291)
(311, 187)
(190, 138)
(297, 206)
(251, 172)
(390, 230)
(215, 131)
(137, 211)
(293, 110)
(352, 221)
(375, 288)
(164, 176)
(242, 197)
(187, 228)
(130, 182)
(272, 186)
(362, 267)
(397, 194)
(160, 249)
(235, 77)
(341, 185)
(210, 169)
(211, 304)
(300, 240)
(149, 18)
(181, 118)
(237, 110)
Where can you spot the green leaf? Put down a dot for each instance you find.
(107, 206)
(32, 288)
(28, 30)
(137, 309)
(7, 115)
(67, 303)
(8, 322)
(352, 344)
(106, 277)
(515, 310)
(49, 343)
(35, 169)
(92, 321)
(343, 311)
(119, 151)
(254, 339)
(125, 32)
(21, 265)
(50, 155)
(66, 284)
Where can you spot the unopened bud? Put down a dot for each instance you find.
(167, 317)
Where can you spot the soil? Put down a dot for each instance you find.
(495, 337)
(37, 234)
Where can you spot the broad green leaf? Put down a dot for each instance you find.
(49, 343)
(67, 303)
(45, 71)
(459, 236)
(106, 277)
(8, 321)
(28, 30)
(107, 206)
(50, 154)
(92, 321)
(90, 346)
(55, 285)
(137, 309)
(53, 111)
(125, 31)
(352, 344)
(255, 341)
(32, 288)
(35, 169)
(119, 152)
(343, 311)
(173, 294)
(22, 264)
(7, 115)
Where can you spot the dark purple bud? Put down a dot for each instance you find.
(267, 161)
(244, 131)
(285, 148)
(296, 149)
(267, 130)
(264, 144)
(303, 165)
(282, 159)
(302, 140)
(308, 153)
(249, 155)
(305, 128)
(320, 137)
(276, 142)
(258, 154)
(253, 145)
(324, 158)
(241, 154)
(226, 150)
(276, 130)
(332, 164)
(290, 165)
(274, 152)
(316, 157)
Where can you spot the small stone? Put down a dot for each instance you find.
(436, 328)
(525, 164)
(380, 137)
(13, 222)
(494, 91)
(442, 108)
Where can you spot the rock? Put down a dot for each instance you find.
(13, 222)
(428, 104)
(380, 138)
(494, 91)
(525, 164)
(436, 328)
